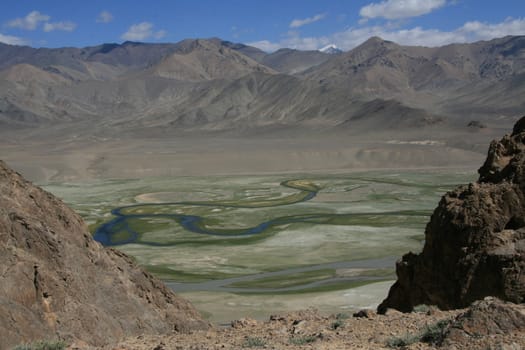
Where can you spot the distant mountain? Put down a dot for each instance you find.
(197, 60)
(331, 49)
(211, 84)
(104, 61)
(429, 68)
(291, 61)
(429, 78)
(250, 51)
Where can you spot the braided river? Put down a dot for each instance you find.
(255, 245)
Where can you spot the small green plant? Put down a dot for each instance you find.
(253, 342)
(43, 345)
(303, 340)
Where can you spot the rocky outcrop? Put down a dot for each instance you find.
(475, 240)
(56, 282)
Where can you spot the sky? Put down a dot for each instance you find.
(266, 24)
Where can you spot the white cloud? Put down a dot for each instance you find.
(293, 41)
(397, 9)
(296, 23)
(66, 26)
(12, 40)
(139, 31)
(413, 36)
(160, 34)
(142, 31)
(29, 22)
(104, 17)
(34, 19)
(483, 31)
(348, 39)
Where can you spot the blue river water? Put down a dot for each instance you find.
(107, 232)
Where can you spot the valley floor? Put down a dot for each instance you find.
(77, 159)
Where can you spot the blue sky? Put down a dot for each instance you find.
(267, 24)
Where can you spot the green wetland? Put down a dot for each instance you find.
(256, 245)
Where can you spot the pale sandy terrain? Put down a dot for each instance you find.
(77, 159)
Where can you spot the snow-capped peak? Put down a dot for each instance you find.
(331, 49)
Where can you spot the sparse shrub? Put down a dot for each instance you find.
(43, 345)
(253, 342)
(405, 340)
(303, 340)
(337, 324)
(432, 334)
(22, 347)
(342, 316)
(422, 308)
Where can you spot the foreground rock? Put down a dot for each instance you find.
(56, 282)
(475, 240)
(489, 324)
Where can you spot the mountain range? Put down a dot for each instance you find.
(211, 84)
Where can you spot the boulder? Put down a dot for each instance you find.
(484, 319)
(475, 240)
(57, 283)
